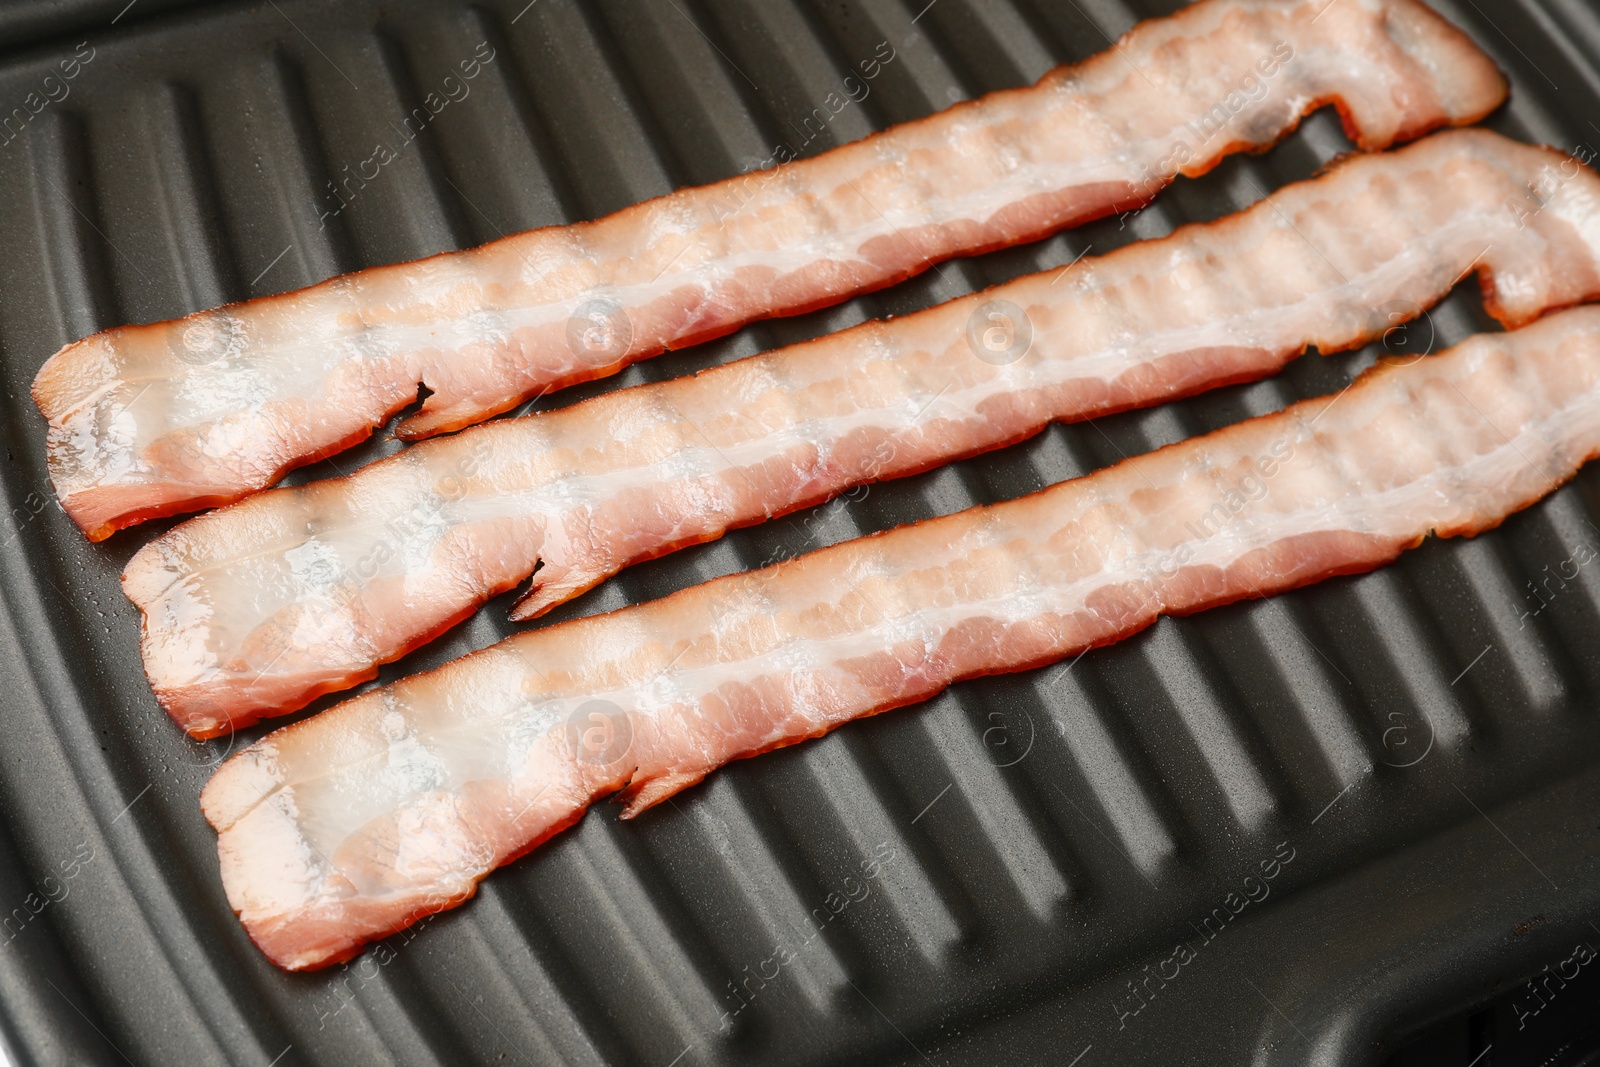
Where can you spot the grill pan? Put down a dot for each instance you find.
(1396, 773)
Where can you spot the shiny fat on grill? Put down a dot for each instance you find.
(353, 823)
(262, 606)
(177, 416)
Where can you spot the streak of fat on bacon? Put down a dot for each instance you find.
(355, 822)
(177, 416)
(262, 606)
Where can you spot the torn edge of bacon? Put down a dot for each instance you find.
(160, 419)
(350, 824)
(259, 608)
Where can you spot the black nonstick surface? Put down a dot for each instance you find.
(1299, 831)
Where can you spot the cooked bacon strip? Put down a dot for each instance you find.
(260, 607)
(176, 416)
(348, 825)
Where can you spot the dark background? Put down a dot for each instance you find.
(1419, 740)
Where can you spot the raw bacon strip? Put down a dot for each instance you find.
(355, 822)
(262, 606)
(176, 416)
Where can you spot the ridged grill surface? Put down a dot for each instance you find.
(992, 877)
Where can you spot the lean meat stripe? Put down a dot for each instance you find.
(177, 416)
(262, 606)
(357, 821)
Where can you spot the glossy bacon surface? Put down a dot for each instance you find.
(175, 416)
(357, 821)
(262, 606)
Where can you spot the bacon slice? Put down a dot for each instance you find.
(177, 416)
(260, 607)
(355, 822)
